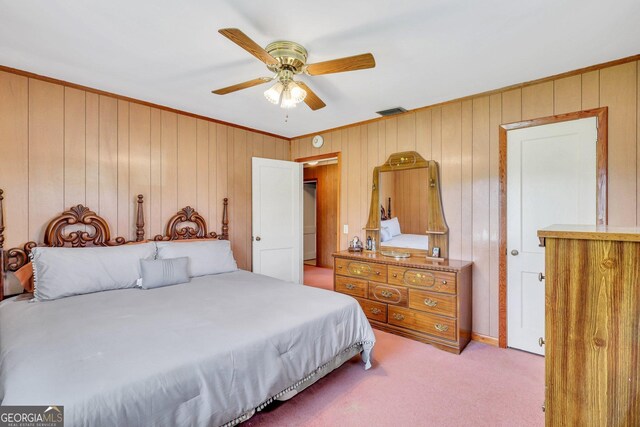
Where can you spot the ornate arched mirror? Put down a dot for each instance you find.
(406, 215)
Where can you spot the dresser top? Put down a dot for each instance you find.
(415, 261)
(591, 232)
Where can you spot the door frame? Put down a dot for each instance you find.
(309, 181)
(338, 156)
(601, 195)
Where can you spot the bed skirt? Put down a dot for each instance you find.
(362, 348)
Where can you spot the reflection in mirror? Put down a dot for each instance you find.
(404, 208)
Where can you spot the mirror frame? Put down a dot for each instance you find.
(438, 231)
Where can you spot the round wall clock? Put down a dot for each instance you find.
(317, 141)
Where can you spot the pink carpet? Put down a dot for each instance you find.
(414, 384)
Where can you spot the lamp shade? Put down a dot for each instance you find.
(274, 92)
(287, 99)
(297, 93)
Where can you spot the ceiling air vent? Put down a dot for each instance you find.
(391, 111)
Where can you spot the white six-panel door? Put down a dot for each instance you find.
(551, 179)
(277, 219)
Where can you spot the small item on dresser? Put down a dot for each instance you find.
(355, 245)
(435, 252)
(369, 246)
(373, 245)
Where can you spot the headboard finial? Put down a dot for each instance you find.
(225, 219)
(2, 267)
(1, 219)
(140, 220)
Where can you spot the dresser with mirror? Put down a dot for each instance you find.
(406, 283)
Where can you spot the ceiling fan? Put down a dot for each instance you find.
(288, 59)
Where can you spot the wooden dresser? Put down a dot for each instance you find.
(414, 298)
(592, 327)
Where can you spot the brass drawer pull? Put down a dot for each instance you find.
(398, 316)
(429, 302)
(339, 267)
(350, 286)
(386, 294)
(378, 273)
(376, 310)
(444, 282)
(395, 274)
(441, 327)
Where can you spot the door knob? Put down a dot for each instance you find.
(540, 341)
(258, 238)
(540, 277)
(514, 252)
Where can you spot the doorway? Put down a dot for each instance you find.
(321, 177)
(309, 202)
(552, 171)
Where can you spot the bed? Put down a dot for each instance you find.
(391, 236)
(208, 352)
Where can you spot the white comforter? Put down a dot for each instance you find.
(201, 353)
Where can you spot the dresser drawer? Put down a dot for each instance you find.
(348, 285)
(432, 302)
(438, 281)
(366, 270)
(374, 310)
(388, 293)
(428, 323)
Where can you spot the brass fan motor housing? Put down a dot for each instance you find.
(290, 55)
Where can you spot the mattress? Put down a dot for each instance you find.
(208, 352)
(413, 241)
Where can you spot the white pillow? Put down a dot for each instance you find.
(205, 256)
(63, 272)
(385, 234)
(393, 225)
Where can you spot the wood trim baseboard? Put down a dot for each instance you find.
(489, 92)
(601, 195)
(137, 101)
(485, 339)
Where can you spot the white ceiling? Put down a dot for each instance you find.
(427, 51)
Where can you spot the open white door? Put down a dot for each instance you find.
(277, 219)
(551, 179)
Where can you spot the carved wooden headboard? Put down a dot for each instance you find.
(187, 223)
(95, 233)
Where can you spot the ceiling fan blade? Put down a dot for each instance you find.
(351, 63)
(312, 100)
(240, 86)
(242, 40)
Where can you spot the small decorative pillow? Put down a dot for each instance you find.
(164, 272)
(394, 226)
(25, 276)
(206, 256)
(63, 272)
(385, 234)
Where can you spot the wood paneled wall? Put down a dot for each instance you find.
(327, 211)
(60, 146)
(409, 198)
(463, 137)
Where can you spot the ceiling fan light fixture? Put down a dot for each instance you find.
(297, 93)
(274, 93)
(287, 100)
